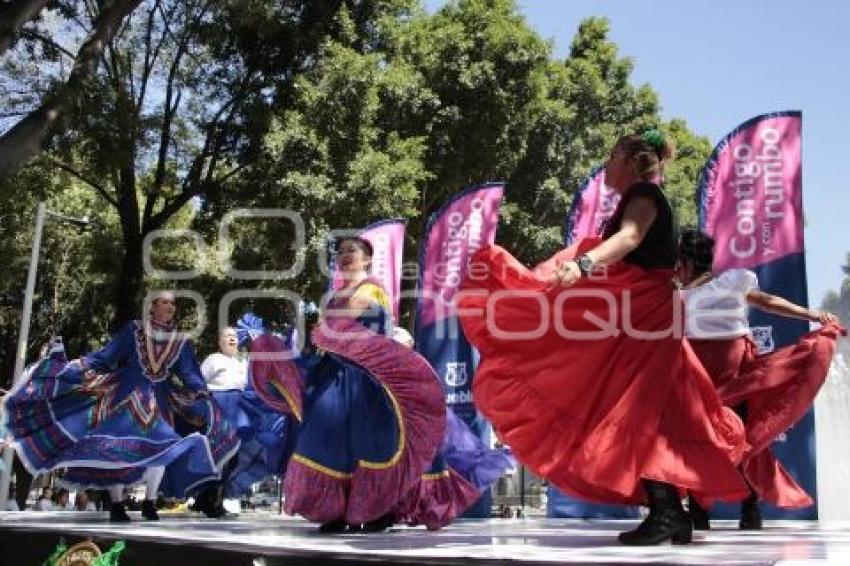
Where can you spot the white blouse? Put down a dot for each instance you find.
(718, 309)
(224, 372)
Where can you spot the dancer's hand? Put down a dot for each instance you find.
(566, 275)
(823, 317)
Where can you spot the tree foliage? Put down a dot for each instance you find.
(344, 111)
(13, 15)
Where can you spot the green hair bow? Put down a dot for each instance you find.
(654, 138)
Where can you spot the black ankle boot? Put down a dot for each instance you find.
(213, 510)
(750, 514)
(118, 514)
(210, 504)
(149, 510)
(666, 521)
(334, 527)
(379, 525)
(699, 515)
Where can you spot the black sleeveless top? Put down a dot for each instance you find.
(659, 247)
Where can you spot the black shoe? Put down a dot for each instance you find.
(334, 527)
(655, 529)
(117, 513)
(699, 515)
(666, 521)
(149, 510)
(212, 510)
(379, 525)
(209, 503)
(750, 515)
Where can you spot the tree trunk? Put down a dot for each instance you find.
(27, 138)
(13, 15)
(129, 289)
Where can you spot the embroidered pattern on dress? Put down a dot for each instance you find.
(157, 356)
(142, 408)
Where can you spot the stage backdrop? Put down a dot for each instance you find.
(462, 226)
(387, 239)
(751, 202)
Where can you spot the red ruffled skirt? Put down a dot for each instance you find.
(778, 389)
(593, 411)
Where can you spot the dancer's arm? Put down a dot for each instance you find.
(779, 306)
(638, 217)
(188, 369)
(116, 350)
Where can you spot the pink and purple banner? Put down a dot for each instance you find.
(387, 239)
(751, 202)
(594, 203)
(462, 226)
(750, 193)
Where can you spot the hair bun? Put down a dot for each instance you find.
(654, 138)
(659, 142)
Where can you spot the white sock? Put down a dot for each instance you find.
(153, 477)
(116, 493)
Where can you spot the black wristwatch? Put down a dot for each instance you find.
(585, 264)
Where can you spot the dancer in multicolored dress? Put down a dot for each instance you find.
(109, 418)
(373, 412)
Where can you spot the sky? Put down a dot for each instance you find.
(716, 64)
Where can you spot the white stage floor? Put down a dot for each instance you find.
(521, 540)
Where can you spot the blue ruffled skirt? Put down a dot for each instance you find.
(105, 429)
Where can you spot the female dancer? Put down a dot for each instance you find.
(373, 412)
(594, 388)
(265, 434)
(770, 393)
(108, 417)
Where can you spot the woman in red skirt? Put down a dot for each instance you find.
(770, 392)
(585, 373)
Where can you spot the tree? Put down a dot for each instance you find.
(681, 175)
(75, 265)
(393, 127)
(15, 14)
(346, 111)
(589, 104)
(505, 110)
(394, 122)
(26, 139)
(153, 133)
(182, 91)
(328, 153)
